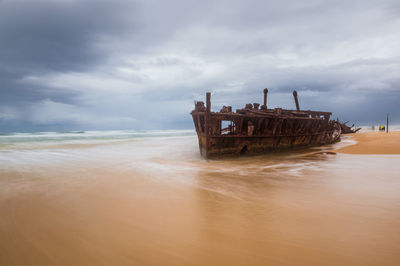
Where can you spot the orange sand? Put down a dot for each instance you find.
(157, 202)
(374, 143)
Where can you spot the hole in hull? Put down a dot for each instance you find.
(243, 150)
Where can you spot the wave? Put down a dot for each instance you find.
(88, 136)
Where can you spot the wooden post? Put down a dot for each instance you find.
(296, 100)
(387, 123)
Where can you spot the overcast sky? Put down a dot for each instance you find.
(95, 64)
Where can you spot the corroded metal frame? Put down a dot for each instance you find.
(259, 130)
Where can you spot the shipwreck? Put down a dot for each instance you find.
(259, 129)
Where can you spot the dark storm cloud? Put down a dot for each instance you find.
(38, 37)
(123, 64)
(59, 35)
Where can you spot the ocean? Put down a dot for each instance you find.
(149, 198)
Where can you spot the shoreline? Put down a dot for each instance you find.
(373, 143)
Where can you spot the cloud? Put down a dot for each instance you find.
(69, 63)
(48, 112)
(44, 35)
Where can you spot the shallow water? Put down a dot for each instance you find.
(122, 198)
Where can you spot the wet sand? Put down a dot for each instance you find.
(374, 143)
(157, 202)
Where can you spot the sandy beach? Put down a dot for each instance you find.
(70, 199)
(374, 143)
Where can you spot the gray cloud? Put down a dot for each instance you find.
(60, 35)
(140, 64)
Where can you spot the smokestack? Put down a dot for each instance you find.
(296, 100)
(265, 97)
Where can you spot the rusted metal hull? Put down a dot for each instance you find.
(348, 130)
(234, 146)
(252, 130)
(215, 145)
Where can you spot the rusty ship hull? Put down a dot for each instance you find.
(254, 130)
